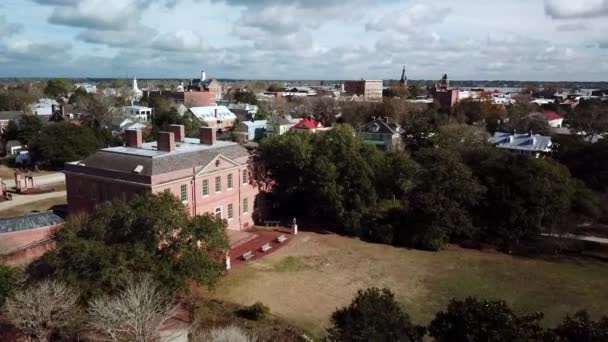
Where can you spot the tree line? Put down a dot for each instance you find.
(454, 190)
(375, 315)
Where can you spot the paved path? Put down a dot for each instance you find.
(25, 199)
(53, 178)
(600, 240)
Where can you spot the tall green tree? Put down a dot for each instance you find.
(581, 328)
(10, 281)
(472, 320)
(374, 315)
(57, 87)
(246, 97)
(64, 142)
(29, 128)
(441, 200)
(152, 234)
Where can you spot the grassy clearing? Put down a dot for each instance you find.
(307, 280)
(42, 205)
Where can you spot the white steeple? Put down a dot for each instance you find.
(135, 87)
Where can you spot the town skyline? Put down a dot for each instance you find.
(549, 40)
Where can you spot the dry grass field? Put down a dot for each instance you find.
(312, 276)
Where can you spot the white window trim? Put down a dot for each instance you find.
(215, 185)
(230, 219)
(242, 204)
(221, 212)
(203, 189)
(229, 187)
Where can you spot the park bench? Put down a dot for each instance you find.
(281, 239)
(266, 248)
(272, 223)
(248, 255)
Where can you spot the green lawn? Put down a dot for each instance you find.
(307, 280)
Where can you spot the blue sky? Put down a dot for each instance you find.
(306, 39)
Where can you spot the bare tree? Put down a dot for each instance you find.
(227, 334)
(44, 309)
(136, 314)
(99, 110)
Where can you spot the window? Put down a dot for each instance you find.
(205, 188)
(245, 177)
(230, 181)
(218, 184)
(245, 206)
(184, 193)
(218, 213)
(230, 211)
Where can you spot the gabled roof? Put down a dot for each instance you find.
(208, 113)
(308, 123)
(551, 115)
(522, 141)
(380, 126)
(281, 121)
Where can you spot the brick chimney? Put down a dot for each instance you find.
(166, 141)
(134, 138)
(179, 131)
(207, 135)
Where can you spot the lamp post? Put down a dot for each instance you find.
(295, 226)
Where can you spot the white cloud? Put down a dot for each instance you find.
(562, 9)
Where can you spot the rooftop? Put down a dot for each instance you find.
(150, 149)
(523, 141)
(30, 221)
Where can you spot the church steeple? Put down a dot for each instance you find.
(403, 82)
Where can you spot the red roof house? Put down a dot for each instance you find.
(555, 120)
(308, 124)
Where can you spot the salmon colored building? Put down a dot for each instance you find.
(209, 176)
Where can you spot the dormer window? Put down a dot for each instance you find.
(375, 128)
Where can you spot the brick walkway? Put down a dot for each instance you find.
(255, 245)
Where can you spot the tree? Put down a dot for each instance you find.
(373, 315)
(136, 313)
(44, 309)
(152, 234)
(64, 142)
(10, 279)
(581, 328)
(472, 320)
(29, 128)
(590, 118)
(99, 110)
(246, 97)
(441, 200)
(77, 95)
(57, 88)
(586, 161)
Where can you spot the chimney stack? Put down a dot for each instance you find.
(215, 111)
(166, 141)
(134, 138)
(179, 131)
(208, 135)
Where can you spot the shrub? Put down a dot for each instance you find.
(226, 334)
(256, 312)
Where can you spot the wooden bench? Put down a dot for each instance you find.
(274, 223)
(266, 248)
(282, 239)
(247, 256)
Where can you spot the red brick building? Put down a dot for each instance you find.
(209, 176)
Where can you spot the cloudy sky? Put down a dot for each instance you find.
(306, 39)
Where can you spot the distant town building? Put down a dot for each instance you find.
(309, 125)
(554, 120)
(44, 107)
(201, 92)
(527, 143)
(279, 125)
(137, 113)
(8, 116)
(442, 93)
(384, 135)
(371, 90)
(251, 130)
(89, 88)
(206, 85)
(207, 175)
(219, 117)
(136, 93)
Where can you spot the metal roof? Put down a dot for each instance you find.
(29, 221)
(523, 142)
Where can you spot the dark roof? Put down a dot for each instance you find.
(382, 127)
(126, 163)
(279, 120)
(10, 115)
(30, 221)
